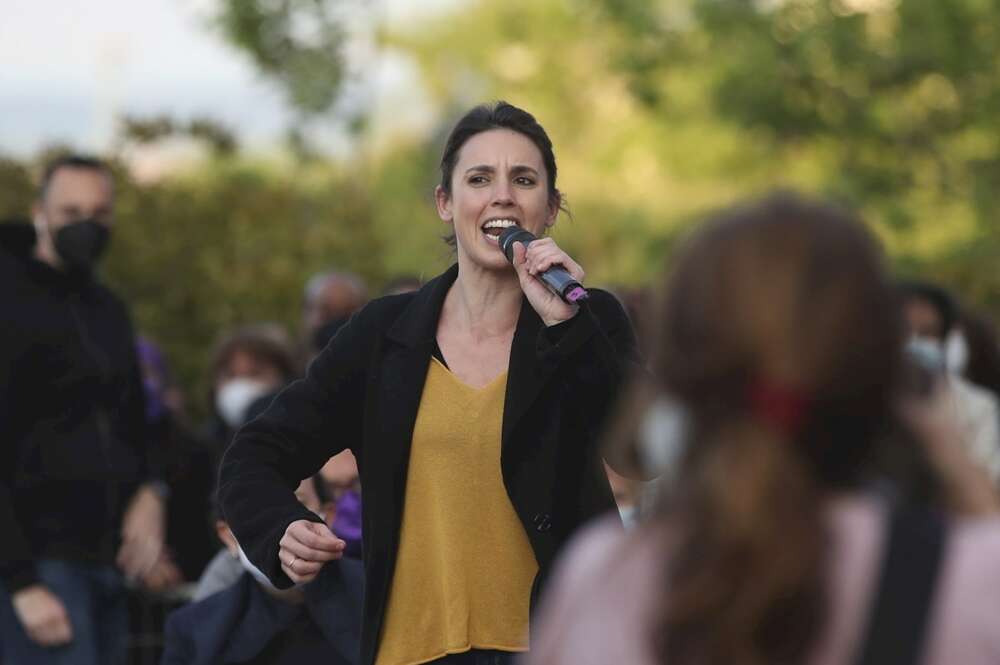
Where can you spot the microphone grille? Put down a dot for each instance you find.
(513, 234)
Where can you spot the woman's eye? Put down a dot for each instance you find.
(524, 180)
(477, 180)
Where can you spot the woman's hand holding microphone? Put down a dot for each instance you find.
(530, 262)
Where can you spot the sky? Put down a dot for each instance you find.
(69, 68)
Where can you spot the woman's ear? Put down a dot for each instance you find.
(443, 201)
(553, 210)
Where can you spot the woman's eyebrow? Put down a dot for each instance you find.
(481, 168)
(521, 168)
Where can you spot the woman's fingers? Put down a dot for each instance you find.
(296, 577)
(520, 261)
(303, 551)
(313, 535)
(544, 253)
(299, 570)
(301, 567)
(305, 547)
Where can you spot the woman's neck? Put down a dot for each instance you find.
(485, 303)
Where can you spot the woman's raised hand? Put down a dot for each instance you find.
(305, 547)
(539, 256)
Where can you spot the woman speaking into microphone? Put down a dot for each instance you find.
(472, 406)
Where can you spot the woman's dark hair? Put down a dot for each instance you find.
(780, 335)
(499, 115)
(935, 296)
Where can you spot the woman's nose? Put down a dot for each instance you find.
(502, 194)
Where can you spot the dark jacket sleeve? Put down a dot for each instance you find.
(307, 423)
(604, 329)
(601, 347)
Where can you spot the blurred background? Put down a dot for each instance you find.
(260, 141)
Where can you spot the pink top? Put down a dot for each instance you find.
(604, 593)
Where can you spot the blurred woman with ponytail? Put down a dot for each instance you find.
(817, 512)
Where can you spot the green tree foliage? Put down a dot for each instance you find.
(232, 243)
(15, 189)
(894, 102)
(144, 131)
(661, 110)
(296, 43)
(635, 176)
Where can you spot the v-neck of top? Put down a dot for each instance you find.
(454, 377)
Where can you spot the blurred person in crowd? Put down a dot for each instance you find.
(249, 620)
(635, 300)
(341, 512)
(331, 298)
(343, 484)
(186, 464)
(973, 351)
(222, 570)
(472, 406)
(402, 284)
(338, 492)
(226, 567)
(332, 295)
(249, 364)
(931, 316)
(80, 510)
(810, 519)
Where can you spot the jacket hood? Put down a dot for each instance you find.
(17, 237)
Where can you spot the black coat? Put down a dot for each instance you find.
(73, 435)
(363, 393)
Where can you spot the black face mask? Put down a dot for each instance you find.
(81, 244)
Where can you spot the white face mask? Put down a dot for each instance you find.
(629, 515)
(234, 398)
(662, 435)
(956, 352)
(928, 352)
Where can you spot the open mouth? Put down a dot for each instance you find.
(494, 227)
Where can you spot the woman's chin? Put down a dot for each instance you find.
(487, 256)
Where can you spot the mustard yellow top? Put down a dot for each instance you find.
(465, 568)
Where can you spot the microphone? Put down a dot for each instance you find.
(559, 281)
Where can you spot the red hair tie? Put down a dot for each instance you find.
(781, 407)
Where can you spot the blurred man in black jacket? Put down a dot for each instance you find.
(78, 510)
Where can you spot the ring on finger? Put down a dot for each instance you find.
(291, 564)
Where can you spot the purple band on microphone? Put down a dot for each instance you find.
(578, 293)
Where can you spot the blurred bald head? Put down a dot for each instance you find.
(332, 296)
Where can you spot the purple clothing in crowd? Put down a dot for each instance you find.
(154, 378)
(347, 523)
